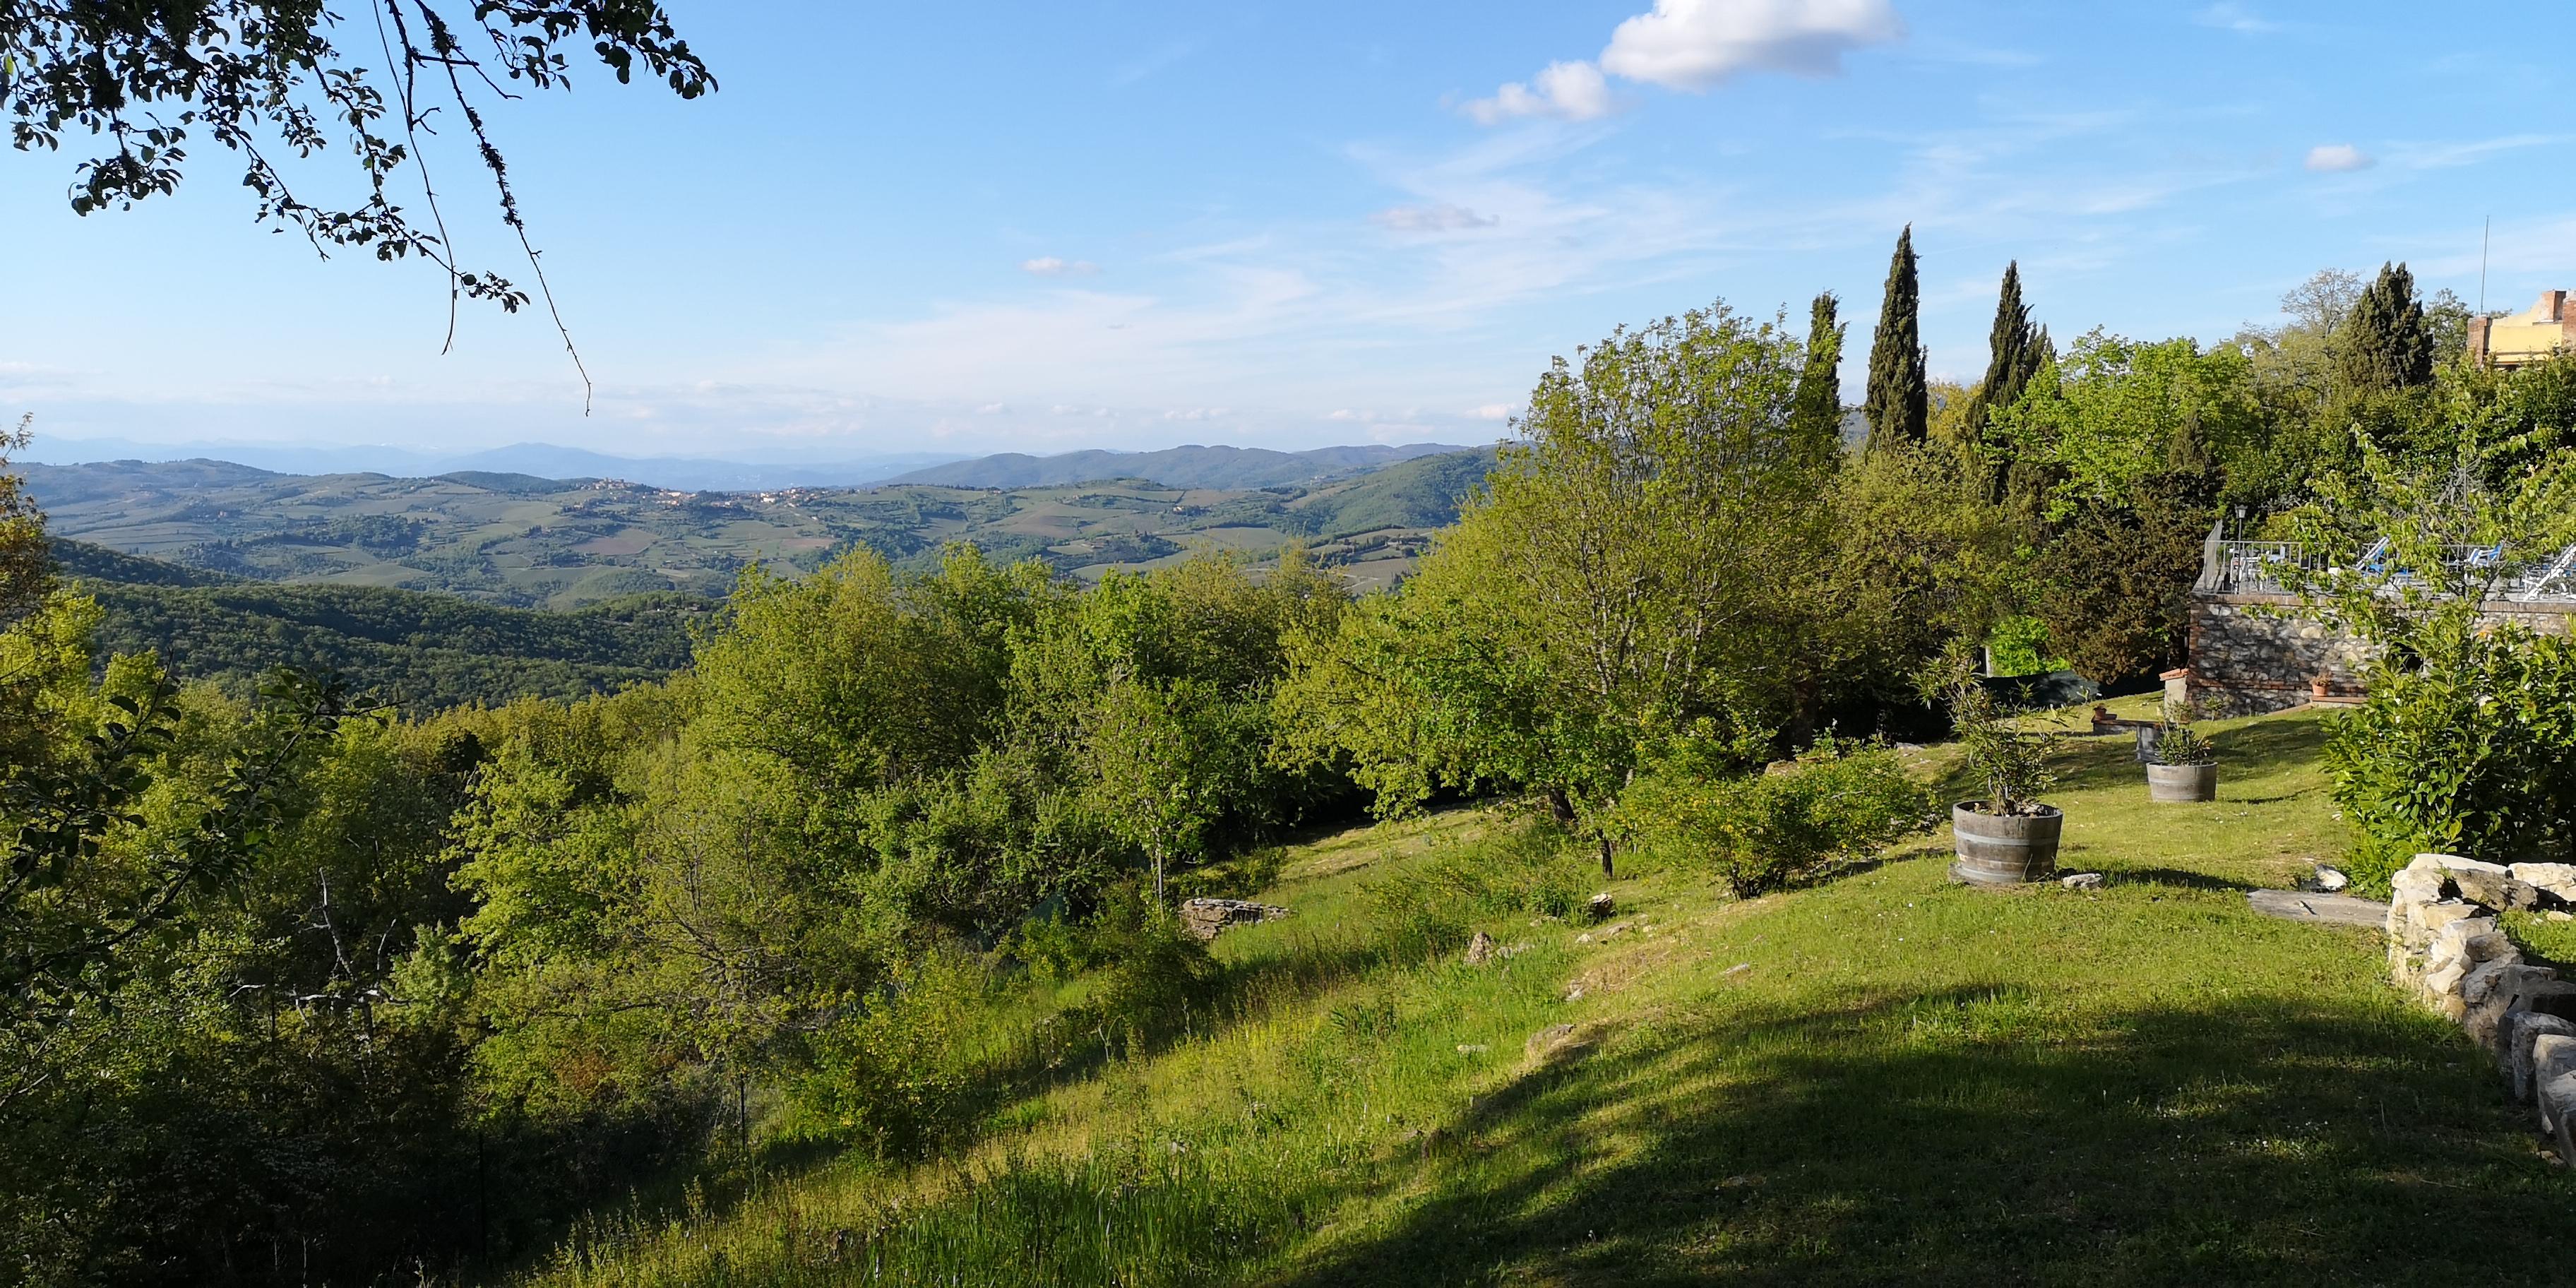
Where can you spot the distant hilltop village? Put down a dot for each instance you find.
(2533, 335)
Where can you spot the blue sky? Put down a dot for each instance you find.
(1046, 227)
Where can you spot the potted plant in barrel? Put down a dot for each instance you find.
(2006, 836)
(2183, 766)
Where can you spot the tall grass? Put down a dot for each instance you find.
(1137, 1219)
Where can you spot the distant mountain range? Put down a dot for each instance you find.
(542, 460)
(518, 539)
(1193, 466)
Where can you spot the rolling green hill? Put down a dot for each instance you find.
(1231, 468)
(421, 650)
(1883, 1078)
(523, 541)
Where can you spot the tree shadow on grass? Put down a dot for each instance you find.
(1975, 1135)
(2179, 877)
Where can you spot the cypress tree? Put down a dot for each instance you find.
(1816, 412)
(1899, 402)
(2385, 344)
(2015, 347)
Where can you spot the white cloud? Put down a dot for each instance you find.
(2337, 158)
(1195, 413)
(1441, 218)
(1494, 411)
(1568, 91)
(1697, 44)
(1050, 266)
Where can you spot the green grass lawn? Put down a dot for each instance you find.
(1880, 1078)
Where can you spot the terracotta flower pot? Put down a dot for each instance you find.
(2004, 849)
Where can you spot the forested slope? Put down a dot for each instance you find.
(423, 650)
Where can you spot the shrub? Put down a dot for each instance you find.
(2466, 747)
(892, 1070)
(1426, 908)
(2180, 744)
(1156, 972)
(1838, 801)
(2008, 764)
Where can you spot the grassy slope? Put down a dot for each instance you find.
(1908, 1081)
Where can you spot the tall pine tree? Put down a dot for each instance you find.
(2017, 350)
(2385, 344)
(1899, 402)
(1816, 410)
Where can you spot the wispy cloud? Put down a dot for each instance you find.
(1152, 61)
(1441, 218)
(1051, 266)
(2235, 17)
(2338, 158)
(2445, 156)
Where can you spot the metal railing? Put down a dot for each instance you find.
(2269, 568)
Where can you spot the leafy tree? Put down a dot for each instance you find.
(26, 570)
(1640, 565)
(2446, 323)
(2105, 416)
(2321, 303)
(266, 79)
(2017, 349)
(1898, 402)
(1820, 383)
(1917, 557)
(2386, 344)
(2465, 740)
(1149, 760)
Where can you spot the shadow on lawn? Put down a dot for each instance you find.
(2179, 877)
(1929, 1138)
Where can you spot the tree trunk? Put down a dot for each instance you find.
(1559, 807)
(1605, 857)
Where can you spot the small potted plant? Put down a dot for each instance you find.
(2006, 836)
(2183, 767)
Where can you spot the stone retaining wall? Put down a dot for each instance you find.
(2251, 653)
(2444, 945)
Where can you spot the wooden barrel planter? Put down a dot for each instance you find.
(2004, 849)
(2182, 782)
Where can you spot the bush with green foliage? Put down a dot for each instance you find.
(2178, 743)
(2468, 747)
(1526, 867)
(1157, 975)
(2009, 764)
(1838, 801)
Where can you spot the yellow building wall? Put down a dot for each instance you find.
(2513, 340)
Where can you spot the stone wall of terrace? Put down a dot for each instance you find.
(2445, 945)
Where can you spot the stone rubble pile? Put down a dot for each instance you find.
(1208, 918)
(2444, 943)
